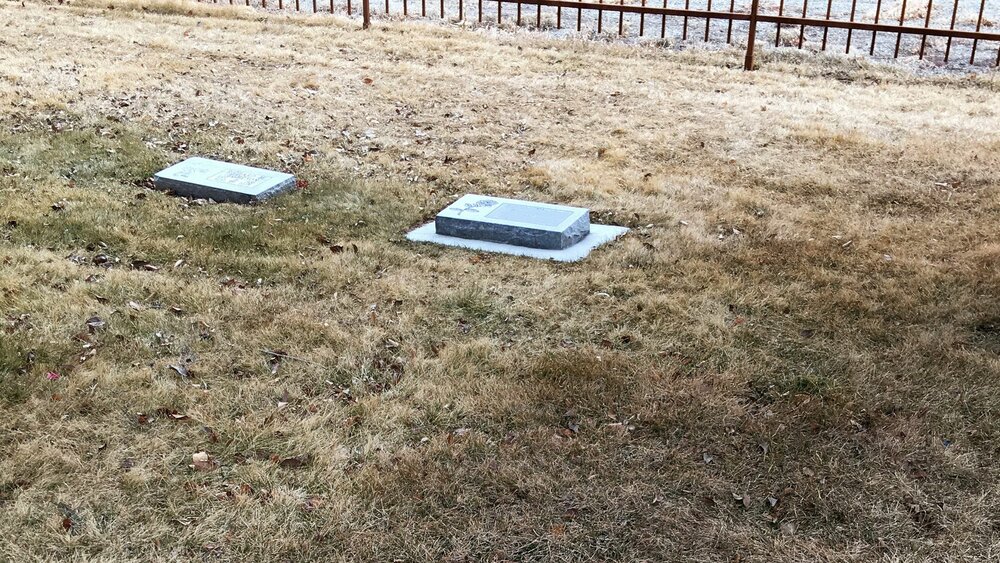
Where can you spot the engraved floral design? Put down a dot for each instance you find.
(473, 207)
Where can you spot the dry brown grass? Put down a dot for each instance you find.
(806, 310)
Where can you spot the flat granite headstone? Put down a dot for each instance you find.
(515, 222)
(521, 228)
(222, 181)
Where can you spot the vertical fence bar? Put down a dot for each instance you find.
(518, 13)
(802, 29)
(386, 7)
(777, 26)
(600, 17)
(850, 31)
(281, 4)
(979, 25)
(927, 23)
(729, 28)
(751, 35)
(558, 17)
(315, 7)
(579, 18)
(663, 22)
(406, 8)
(461, 10)
(642, 20)
(297, 8)
(366, 14)
(708, 21)
(248, 2)
(538, 17)
(899, 36)
(878, 12)
(826, 30)
(348, 7)
(442, 8)
(687, 6)
(954, 14)
(263, 4)
(331, 6)
(499, 11)
(480, 11)
(621, 20)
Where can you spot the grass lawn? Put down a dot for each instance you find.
(793, 355)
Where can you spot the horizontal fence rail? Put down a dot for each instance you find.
(942, 30)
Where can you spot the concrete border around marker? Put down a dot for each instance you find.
(599, 235)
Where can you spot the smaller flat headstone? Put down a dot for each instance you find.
(515, 222)
(222, 181)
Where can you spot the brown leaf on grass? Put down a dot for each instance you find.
(201, 461)
(212, 435)
(72, 522)
(368, 81)
(743, 499)
(295, 462)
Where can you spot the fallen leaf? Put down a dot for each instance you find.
(94, 324)
(743, 499)
(201, 461)
(295, 462)
(180, 369)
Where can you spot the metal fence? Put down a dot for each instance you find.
(946, 32)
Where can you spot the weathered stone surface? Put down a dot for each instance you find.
(222, 181)
(511, 221)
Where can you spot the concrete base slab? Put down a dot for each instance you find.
(599, 234)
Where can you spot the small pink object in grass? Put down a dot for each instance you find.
(52, 376)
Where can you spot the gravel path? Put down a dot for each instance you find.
(673, 29)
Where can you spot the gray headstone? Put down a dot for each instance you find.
(222, 181)
(511, 221)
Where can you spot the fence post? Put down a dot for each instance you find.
(751, 36)
(367, 14)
